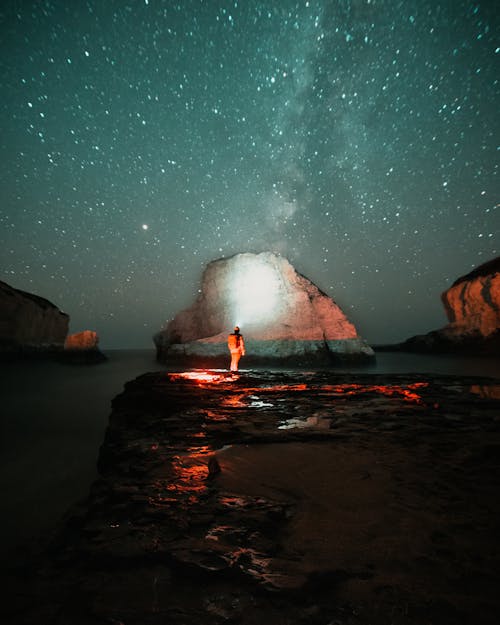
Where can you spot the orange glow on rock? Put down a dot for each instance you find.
(234, 401)
(184, 479)
(201, 377)
(406, 392)
(187, 477)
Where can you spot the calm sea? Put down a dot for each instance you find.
(53, 421)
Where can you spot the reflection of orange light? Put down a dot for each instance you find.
(188, 479)
(407, 392)
(282, 387)
(234, 401)
(213, 415)
(278, 388)
(198, 452)
(202, 377)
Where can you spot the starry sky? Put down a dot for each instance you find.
(141, 139)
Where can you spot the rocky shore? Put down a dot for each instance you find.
(283, 497)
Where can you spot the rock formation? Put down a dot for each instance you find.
(472, 305)
(82, 340)
(282, 315)
(29, 324)
(82, 348)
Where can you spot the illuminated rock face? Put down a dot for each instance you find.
(29, 322)
(281, 314)
(82, 340)
(472, 305)
(82, 348)
(473, 302)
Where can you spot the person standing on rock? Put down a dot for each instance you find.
(236, 346)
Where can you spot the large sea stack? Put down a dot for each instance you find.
(283, 316)
(472, 305)
(29, 324)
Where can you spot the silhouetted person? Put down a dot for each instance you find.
(236, 346)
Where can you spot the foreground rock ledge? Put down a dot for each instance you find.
(279, 498)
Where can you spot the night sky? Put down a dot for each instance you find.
(142, 139)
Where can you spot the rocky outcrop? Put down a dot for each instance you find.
(472, 305)
(282, 315)
(29, 324)
(82, 340)
(82, 348)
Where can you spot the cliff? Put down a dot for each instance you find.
(29, 323)
(282, 315)
(472, 305)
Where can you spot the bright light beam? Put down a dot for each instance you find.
(254, 295)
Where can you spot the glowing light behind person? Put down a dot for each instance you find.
(254, 300)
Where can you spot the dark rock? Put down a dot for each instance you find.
(81, 356)
(213, 467)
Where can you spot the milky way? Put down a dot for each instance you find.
(141, 140)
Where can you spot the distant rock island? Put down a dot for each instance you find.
(472, 305)
(83, 348)
(283, 316)
(33, 327)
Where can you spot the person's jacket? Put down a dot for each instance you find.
(235, 341)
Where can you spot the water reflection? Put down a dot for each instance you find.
(205, 376)
(234, 401)
(187, 476)
(407, 392)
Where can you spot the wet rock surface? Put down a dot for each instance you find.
(268, 497)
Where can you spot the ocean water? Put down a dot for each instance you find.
(53, 421)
